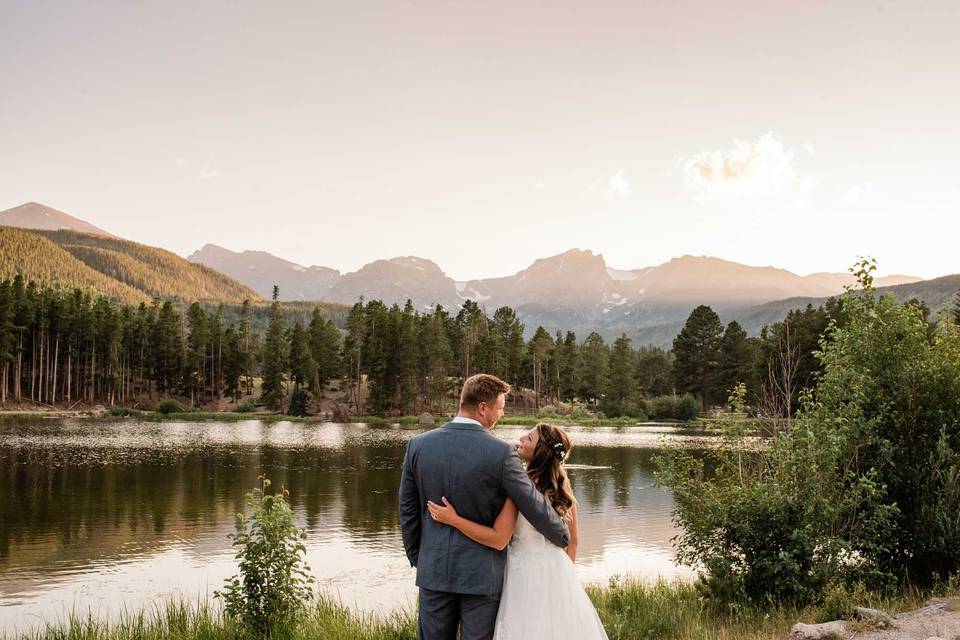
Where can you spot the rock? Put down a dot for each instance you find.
(824, 631)
(879, 619)
(426, 420)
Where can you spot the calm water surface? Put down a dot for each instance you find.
(101, 516)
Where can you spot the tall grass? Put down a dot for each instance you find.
(629, 611)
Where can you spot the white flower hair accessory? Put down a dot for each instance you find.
(560, 451)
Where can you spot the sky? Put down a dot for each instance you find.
(485, 135)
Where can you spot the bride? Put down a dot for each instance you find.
(542, 596)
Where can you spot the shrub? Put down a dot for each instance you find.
(687, 408)
(662, 407)
(169, 406)
(120, 412)
(376, 422)
(274, 585)
(246, 406)
(548, 411)
(673, 407)
(865, 486)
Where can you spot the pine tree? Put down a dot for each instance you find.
(437, 360)
(302, 365)
(245, 345)
(620, 395)
(407, 359)
(509, 335)
(594, 360)
(353, 348)
(697, 352)
(473, 327)
(271, 389)
(568, 365)
(325, 347)
(198, 342)
(540, 349)
(233, 364)
(736, 359)
(654, 371)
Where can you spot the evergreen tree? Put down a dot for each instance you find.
(375, 357)
(736, 359)
(594, 360)
(697, 352)
(233, 364)
(271, 389)
(198, 339)
(325, 347)
(406, 354)
(568, 364)
(540, 348)
(509, 335)
(353, 348)
(301, 363)
(620, 396)
(473, 327)
(437, 360)
(654, 372)
(245, 345)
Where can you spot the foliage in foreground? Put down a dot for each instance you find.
(865, 486)
(628, 611)
(274, 585)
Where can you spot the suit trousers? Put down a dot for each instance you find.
(441, 613)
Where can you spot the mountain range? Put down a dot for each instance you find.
(575, 290)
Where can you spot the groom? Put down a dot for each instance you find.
(460, 580)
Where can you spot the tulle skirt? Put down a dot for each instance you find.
(543, 598)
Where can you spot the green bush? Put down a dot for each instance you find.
(662, 407)
(121, 412)
(274, 586)
(687, 408)
(375, 422)
(673, 407)
(169, 406)
(548, 412)
(246, 406)
(865, 486)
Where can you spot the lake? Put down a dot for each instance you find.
(98, 516)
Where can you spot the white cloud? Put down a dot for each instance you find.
(759, 169)
(618, 186)
(615, 187)
(208, 172)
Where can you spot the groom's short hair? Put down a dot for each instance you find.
(481, 387)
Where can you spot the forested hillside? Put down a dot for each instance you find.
(40, 259)
(122, 269)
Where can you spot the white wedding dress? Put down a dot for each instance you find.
(542, 597)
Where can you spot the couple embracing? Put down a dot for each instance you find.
(492, 528)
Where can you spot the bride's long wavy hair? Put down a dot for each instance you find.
(546, 469)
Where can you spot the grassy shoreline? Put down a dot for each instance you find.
(628, 610)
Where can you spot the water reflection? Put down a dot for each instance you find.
(97, 515)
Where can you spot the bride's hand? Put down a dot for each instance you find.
(445, 514)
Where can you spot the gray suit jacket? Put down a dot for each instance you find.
(477, 472)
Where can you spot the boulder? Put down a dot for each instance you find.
(824, 631)
(879, 619)
(426, 420)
